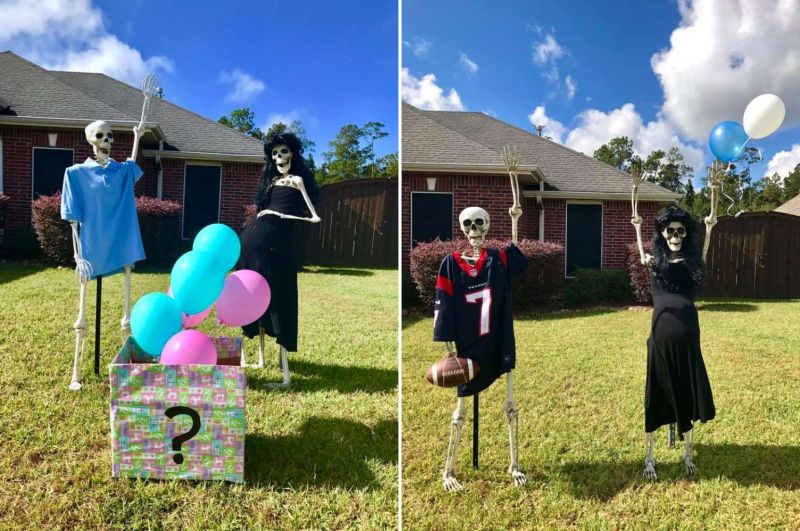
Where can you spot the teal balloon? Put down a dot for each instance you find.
(197, 279)
(155, 318)
(727, 141)
(221, 241)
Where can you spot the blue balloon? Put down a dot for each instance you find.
(221, 241)
(727, 141)
(197, 280)
(155, 318)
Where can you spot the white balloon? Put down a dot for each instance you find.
(763, 116)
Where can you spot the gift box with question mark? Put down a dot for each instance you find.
(178, 421)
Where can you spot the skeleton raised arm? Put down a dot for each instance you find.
(715, 176)
(636, 220)
(511, 160)
(148, 89)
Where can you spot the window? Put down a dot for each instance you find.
(201, 192)
(431, 216)
(48, 170)
(584, 236)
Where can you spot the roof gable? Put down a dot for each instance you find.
(564, 169)
(35, 92)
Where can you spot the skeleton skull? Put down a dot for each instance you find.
(282, 157)
(674, 233)
(474, 222)
(99, 135)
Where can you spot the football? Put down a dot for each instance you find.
(451, 371)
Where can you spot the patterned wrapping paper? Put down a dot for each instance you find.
(141, 433)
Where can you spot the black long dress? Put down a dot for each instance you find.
(677, 388)
(268, 248)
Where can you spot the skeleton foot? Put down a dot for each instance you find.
(75, 386)
(451, 484)
(649, 469)
(691, 468)
(518, 477)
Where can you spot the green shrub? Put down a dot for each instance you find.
(538, 285)
(596, 286)
(639, 273)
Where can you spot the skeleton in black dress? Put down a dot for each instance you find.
(286, 194)
(677, 388)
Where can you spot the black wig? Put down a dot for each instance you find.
(298, 168)
(690, 249)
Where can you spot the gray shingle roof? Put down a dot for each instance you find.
(475, 138)
(33, 91)
(792, 206)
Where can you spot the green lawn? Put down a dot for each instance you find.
(321, 455)
(580, 385)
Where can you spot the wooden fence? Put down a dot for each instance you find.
(756, 255)
(358, 227)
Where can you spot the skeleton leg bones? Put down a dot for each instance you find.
(80, 334)
(125, 322)
(512, 412)
(450, 482)
(691, 469)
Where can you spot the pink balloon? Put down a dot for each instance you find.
(189, 347)
(192, 320)
(244, 298)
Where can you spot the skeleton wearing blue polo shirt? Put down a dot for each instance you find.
(98, 200)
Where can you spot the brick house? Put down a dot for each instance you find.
(452, 160)
(210, 169)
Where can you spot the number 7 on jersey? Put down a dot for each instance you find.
(484, 296)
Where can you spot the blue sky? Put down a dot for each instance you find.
(325, 63)
(661, 72)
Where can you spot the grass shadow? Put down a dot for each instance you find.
(343, 271)
(569, 313)
(11, 272)
(325, 452)
(764, 465)
(342, 378)
(727, 307)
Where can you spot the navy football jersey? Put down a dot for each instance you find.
(473, 309)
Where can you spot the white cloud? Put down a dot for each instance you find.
(468, 64)
(572, 87)
(424, 93)
(547, 51)
(553, 128)
(286, 118)
(244, 86)
(723, 54)
(784, 162)
(418, 46)
(71, 35)
(596, 128)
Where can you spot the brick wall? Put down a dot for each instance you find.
(493, 193)
(239, 183)
(239, 180)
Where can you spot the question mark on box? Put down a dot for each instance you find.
(180, 439)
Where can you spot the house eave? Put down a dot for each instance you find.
(73, 123)
(201, 156)
(486, 169)
(609, 196)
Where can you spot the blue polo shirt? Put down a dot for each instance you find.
(101, 200)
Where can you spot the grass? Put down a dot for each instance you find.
(580, 386)
(321, 455)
